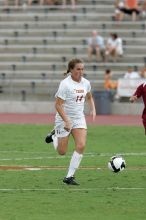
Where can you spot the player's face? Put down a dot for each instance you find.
(129, 69)
(77, 72)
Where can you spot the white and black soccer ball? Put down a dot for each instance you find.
(117, 164)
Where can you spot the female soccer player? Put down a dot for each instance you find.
(141, 92)
(70, 118)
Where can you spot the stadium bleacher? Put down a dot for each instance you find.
(37, 42)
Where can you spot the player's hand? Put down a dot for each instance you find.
(133, 98)
(93, 114)
(67, 125)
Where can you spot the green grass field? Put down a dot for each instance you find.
(102, 195)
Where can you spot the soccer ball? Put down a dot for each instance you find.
(117, 164)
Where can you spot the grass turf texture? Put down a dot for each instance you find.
(102, 195)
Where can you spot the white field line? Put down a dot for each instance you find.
(21, 168)
(86, 155)
(59, 168)
(31, 158)
(72, 189)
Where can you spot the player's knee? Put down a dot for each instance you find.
(80, 147)
(61, 152)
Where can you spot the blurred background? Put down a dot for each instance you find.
(38, 38)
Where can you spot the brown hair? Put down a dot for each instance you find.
(115, 36)
(72, 64)
(107, 71)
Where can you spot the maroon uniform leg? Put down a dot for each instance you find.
(144, 124)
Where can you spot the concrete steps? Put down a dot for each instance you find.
(35, 45)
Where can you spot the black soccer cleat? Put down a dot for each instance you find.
(70, 181)
(49, 139)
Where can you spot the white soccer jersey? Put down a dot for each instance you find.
(73, 93)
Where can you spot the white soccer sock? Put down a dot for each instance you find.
(55, 141)
(74, 163)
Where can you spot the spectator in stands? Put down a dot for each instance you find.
(42, 2)
(30, 2)
(109, 84)
(143, 10)
(131, 73)
(6, 3)
(114, 47)
(17, 2)
(119, 5)
(96, 46)
(143, 72)
(131, 7)
(73, 2)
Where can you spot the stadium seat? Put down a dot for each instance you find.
(3, 75)
(36, 18)
(16, 34)
(54, 34)
(34, 49)
(26, 26)
(64, 59)
(33, 86)
(13, 67)
(53, 67)
(74, 18)
(6, 42)
(45, 42)
(43, 75)
(84, 10)
(74, 50)
(23, 58)
(64, 26)
(23, 95)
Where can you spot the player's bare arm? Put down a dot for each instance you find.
(133, 98)
(91, 105)
(59, 108)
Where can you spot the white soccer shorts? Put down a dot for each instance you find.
(75, 123)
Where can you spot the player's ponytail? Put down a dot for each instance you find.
(72, 64)
(66, 72)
